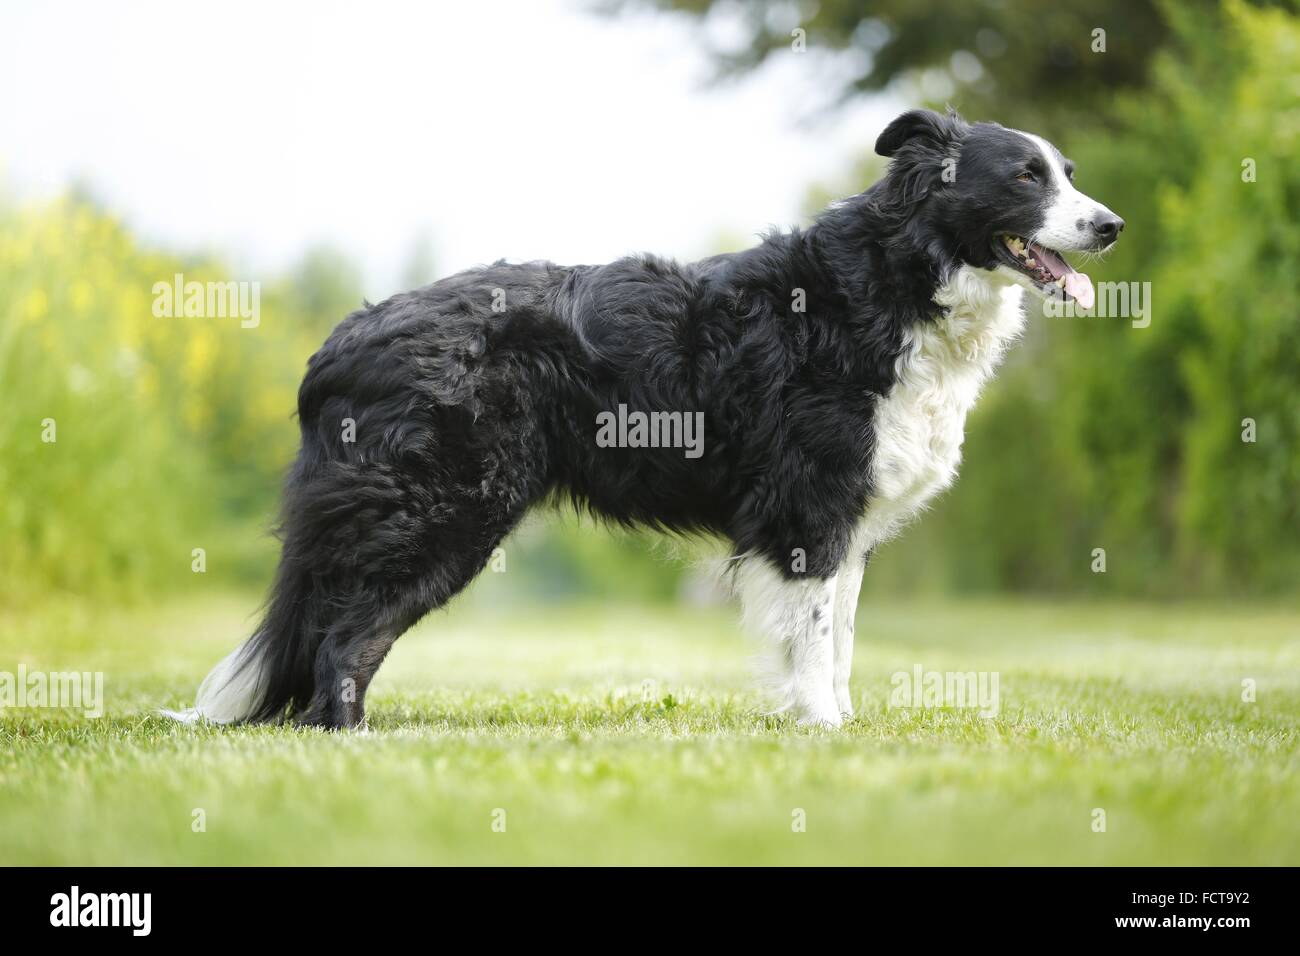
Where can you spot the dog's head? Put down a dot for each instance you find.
(1003, 200)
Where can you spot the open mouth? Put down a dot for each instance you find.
(1046, 267)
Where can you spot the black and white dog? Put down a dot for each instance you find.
(833, 367)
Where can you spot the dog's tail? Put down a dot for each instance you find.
(271, 672)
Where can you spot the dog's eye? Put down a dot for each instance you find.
(1027, 177)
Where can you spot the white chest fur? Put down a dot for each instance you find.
(920, 423)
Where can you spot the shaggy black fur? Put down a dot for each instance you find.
(467, 414)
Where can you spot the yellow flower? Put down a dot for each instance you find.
(35, 306)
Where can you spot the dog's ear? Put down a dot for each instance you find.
(924, 126)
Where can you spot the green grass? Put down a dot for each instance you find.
(627, 735)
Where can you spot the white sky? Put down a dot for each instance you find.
(493, 128)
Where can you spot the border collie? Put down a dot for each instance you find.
(832, 369)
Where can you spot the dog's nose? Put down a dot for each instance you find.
(1108, 226)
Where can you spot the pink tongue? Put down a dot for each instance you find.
(1080, 286)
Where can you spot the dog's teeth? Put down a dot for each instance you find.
(1031, 263)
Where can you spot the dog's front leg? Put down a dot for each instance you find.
(848, 584)
(812, 658)
(796, 613)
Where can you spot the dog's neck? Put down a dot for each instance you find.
(941, 367)
(981, 315)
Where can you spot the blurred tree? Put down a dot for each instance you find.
(1025, 64)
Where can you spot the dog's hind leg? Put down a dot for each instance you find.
(349, 654)
(796, 613)
(373, 614)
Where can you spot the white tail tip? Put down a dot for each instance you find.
(228, 694)
(190, 716)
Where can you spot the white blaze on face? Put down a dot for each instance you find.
(1067, 222)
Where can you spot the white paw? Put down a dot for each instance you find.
(844, 703)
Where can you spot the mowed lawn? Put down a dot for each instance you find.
(626, 735)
